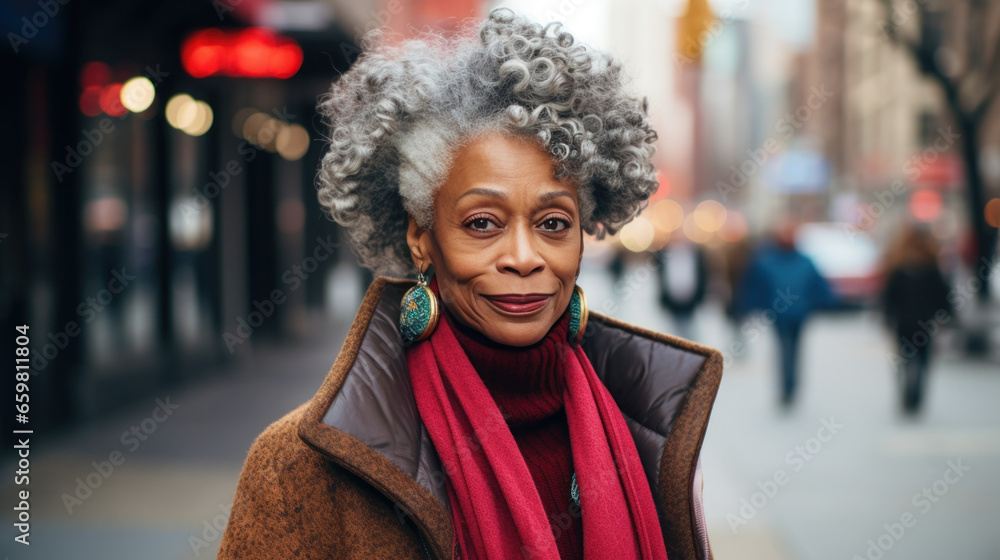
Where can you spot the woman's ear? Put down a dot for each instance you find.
(417, 239)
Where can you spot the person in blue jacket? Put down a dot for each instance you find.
(786, 286)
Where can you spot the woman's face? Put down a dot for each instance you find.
(506, 242)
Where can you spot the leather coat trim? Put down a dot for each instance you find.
(678, 498)
(428, 512)
(364, 417)
(634, 363)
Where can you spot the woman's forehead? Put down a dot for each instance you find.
(500, 166)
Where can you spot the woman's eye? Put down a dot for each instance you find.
(480, 224)
(555, 224)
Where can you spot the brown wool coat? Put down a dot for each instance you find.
(353, 474)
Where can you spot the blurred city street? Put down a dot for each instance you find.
(840, 493)
(842, 486)
(197, 193)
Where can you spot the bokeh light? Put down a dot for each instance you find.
(105, 214)
(189, 115)
(637, 235)
(110, 100)
(992, 212)
(137, 94)
(203, 118)
(95, 74)
(252, 126)
(667, 214)
(240, 118)
(251, 53)
(710, 215)
(694, 231)
(925, 205)
(292, 142)
(267, 134)
(90, 101)
(174, 107)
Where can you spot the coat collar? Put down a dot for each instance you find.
(364, 416)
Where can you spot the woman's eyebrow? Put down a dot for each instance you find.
(497, 193)
(545, 197)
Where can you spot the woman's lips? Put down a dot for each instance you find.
(519, 303)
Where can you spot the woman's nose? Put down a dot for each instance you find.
(521, 254)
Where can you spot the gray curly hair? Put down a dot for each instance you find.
(397, 116)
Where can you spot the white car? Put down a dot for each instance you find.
(847, 257)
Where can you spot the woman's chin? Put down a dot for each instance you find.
(517, 334)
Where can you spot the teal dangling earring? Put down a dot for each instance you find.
(418, 311)
(578, 315)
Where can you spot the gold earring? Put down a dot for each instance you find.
(418, 311)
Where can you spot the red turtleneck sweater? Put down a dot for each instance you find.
(527, 385)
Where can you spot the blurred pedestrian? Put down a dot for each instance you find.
(734, 262)
(682, 279)
(916, 306)
(784, 283)
(616, 266)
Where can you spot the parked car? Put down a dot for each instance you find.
(847, 257)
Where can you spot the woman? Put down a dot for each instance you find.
(916, 305)
(485, 413)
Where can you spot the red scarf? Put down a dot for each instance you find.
(496, 508)
(528, 383)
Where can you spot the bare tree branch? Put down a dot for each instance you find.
(980, 75)
(979, 82)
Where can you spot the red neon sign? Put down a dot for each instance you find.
(250, 53)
